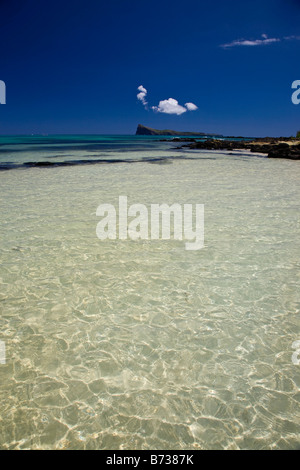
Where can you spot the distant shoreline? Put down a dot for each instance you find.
(274, 147)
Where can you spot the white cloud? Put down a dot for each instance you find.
(251, 42)
(259, 42)
(169, 106)
(142, 95)
(191, 106)
(142, 89)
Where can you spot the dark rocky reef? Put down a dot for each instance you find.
(284, 150)
(282, 147)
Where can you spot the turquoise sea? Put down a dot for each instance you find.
(123, 344)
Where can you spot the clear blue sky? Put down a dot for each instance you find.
(73, 66)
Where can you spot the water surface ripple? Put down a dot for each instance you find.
(142, 344)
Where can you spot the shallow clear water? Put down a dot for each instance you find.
(142, 344)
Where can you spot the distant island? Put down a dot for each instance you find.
(144, 130)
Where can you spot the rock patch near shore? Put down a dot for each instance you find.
(285, 151)
(275, 148)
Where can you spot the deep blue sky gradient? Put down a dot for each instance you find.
(74, 66)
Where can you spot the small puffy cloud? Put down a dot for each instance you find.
(191, 106)
(169, 106)
(142, 89)
(141, 96)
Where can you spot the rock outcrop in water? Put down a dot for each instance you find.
(282, 147)
(283, 150)
(143, 130)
